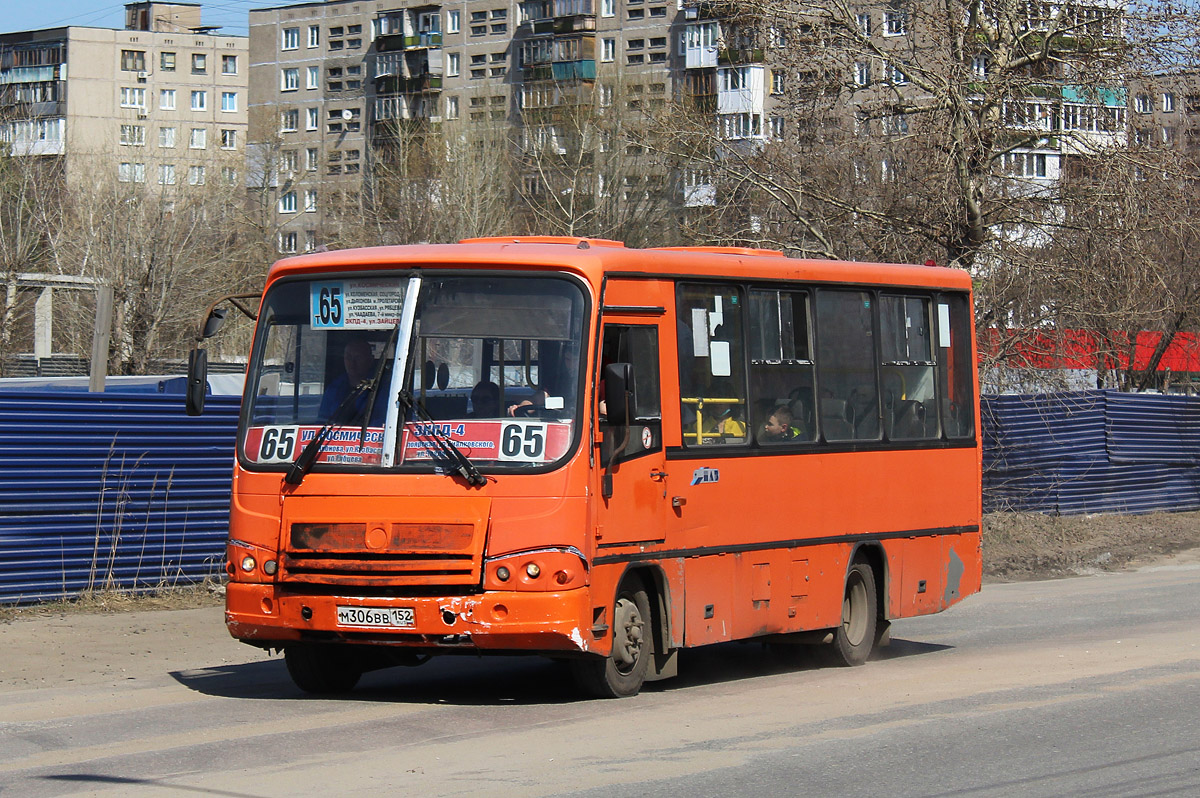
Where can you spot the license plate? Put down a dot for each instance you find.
(376, 617)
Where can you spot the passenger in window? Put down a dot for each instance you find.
(485, 400)
(729, 425)
(779, 427)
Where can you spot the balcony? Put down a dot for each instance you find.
(574, 70)
(740, 55)
(416, 84)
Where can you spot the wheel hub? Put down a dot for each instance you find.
(627, 640)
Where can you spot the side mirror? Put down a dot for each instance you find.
(216, 317)
(197, 381)
(618, 392)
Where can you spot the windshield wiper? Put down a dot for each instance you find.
(376, 381)
(304, 463)
(459, 463)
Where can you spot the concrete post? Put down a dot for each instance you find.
(100, 339)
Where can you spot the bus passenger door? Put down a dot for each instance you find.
(633, 476)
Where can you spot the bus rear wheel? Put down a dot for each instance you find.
(622, 672)
(855, 637)
(322, 669)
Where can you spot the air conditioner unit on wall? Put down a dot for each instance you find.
(141, 76)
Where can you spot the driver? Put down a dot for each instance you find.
(359, 363)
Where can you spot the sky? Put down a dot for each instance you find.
(16, 15)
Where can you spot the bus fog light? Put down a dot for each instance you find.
(533, 570)
(270, 567)
(562, 577)
(248, 564)
(502, 574)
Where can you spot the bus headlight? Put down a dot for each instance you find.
(542, 569)
(248, 564)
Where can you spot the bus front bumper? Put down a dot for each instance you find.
(264, 616)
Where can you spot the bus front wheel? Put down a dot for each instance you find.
(322, 669)
(622, 672)
(855, 637)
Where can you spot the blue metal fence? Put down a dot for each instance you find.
(1091, 452)
(124, 490)
(111, 490)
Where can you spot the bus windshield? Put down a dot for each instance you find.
(492, 368)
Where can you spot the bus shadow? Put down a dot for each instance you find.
(521, 680)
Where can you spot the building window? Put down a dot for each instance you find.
(777, 128)
(287, 202)
(895, 75)
(895, 22)
(133, 60)
(199, 63)
(195, 175)
(199, 101)
(314, 36)
(864, 24)
(229, 175)
(452, 64)
(608, 8)
(608, 50)
(290, 39)
(313, 119)
(1168, 102)
(229, 101)
(453, 21)
(199, 139)
(862, 73)
(289, 79)
(310, 200)
(166, 99)
(132, 172)
(133, 135)
(313, 78)
(312, 159)
(1142, 104)
(166, 62)
(166, 174)
(166, 137)
(310, 240)
(287, 242)
(979, 66)
(452, 108)
(229, 65)
(289, 120)
(777, 81)
(637, 13)
(133, 97)
(228, 139)
(287, 162)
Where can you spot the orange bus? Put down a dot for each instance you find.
(569, 447)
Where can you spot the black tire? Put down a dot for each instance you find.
(854, 638)
(621, 673)
(322, 669)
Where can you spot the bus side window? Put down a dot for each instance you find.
(849, 407)
(781, 368)
(638, 346)
(712, 378)
(956, 365)
(906, 374)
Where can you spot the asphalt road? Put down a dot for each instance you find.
(1087, 686)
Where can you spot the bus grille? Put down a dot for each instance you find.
(403, 555)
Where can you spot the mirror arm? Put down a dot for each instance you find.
(233, 299)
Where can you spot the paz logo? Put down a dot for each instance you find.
(702, 475)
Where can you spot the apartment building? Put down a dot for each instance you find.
(332, 82)
(162, 101)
